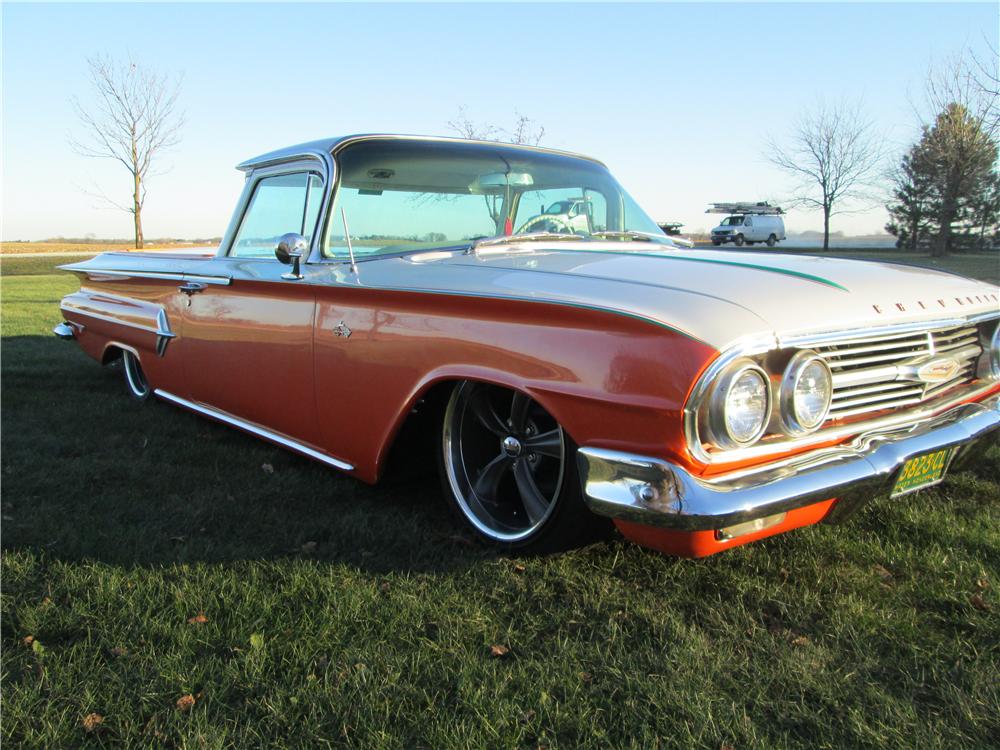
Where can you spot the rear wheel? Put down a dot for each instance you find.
(507, 471)
(771, 241)
(738, 241)
(135, 378)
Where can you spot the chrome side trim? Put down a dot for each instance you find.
(253, 429)
(163, 332)
(658, 493)
(161, 275)
(109, 319)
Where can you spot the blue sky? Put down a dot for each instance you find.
(676, 98)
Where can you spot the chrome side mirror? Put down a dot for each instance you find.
(291, 247)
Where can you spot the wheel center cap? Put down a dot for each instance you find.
(511, 446)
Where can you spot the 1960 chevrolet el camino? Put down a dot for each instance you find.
(576, 363)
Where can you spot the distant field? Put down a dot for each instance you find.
(8, 248)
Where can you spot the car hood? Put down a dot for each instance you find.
(716, 297)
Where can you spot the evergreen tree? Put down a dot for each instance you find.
(911, 209)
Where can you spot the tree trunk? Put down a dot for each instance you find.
(826, 227)
(136, 193)
(137, 213)
(945, 219)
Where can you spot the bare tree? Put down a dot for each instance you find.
(834, 155)
(132, 118)
(525, 131)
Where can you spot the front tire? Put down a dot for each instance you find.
(508, 472)
(738, 241)
(135, 378)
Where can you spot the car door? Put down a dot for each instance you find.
(248, 343)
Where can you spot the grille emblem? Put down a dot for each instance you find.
(933, 370)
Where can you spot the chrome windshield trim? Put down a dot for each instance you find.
(657, 493)
(253, 429)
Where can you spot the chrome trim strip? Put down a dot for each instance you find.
(109, 319)
(657, 493)
(161, 275)
(819, 338)
(253, 429)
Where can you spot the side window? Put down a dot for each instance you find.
(748, 222)
(280, 204)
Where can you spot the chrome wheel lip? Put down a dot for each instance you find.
(448, 447)
(135, 379)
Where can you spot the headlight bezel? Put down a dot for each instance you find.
(718, 428)
(792, 424)
(993, 355)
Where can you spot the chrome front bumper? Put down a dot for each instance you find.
(654, 492)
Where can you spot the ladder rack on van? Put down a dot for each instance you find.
(756, 209)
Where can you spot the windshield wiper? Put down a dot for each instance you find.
(629, 234)
(524, 237)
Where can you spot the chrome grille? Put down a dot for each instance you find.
(866, 371)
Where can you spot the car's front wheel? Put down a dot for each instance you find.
(738, 241)
(507, 471)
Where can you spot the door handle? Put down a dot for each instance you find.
(191, 287)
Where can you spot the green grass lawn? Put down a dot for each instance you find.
(150, 555)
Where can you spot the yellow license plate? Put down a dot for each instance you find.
(922, 471)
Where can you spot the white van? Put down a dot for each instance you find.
(748, 223)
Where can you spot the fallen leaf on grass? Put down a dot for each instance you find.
(268, 469)
(118, 651)
(28, 640)
(801, 640)
(198, 619)
(979, 603)
(92, 722)
(982, 583)
(497, 651)
(519, 568)
(882, 572)
(185, 703)
(256, 641)
(586, 678)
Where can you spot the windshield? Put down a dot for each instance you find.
(732, 221)
(404, 195)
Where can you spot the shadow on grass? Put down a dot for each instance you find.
(89, 474)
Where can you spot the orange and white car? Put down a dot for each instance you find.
(699, 399)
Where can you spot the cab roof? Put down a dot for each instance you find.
(331, 145)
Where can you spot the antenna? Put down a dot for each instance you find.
(347, 236)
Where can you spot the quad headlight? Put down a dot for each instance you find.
(806, 393)
(740, 405)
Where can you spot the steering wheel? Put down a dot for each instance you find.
(548, 222)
